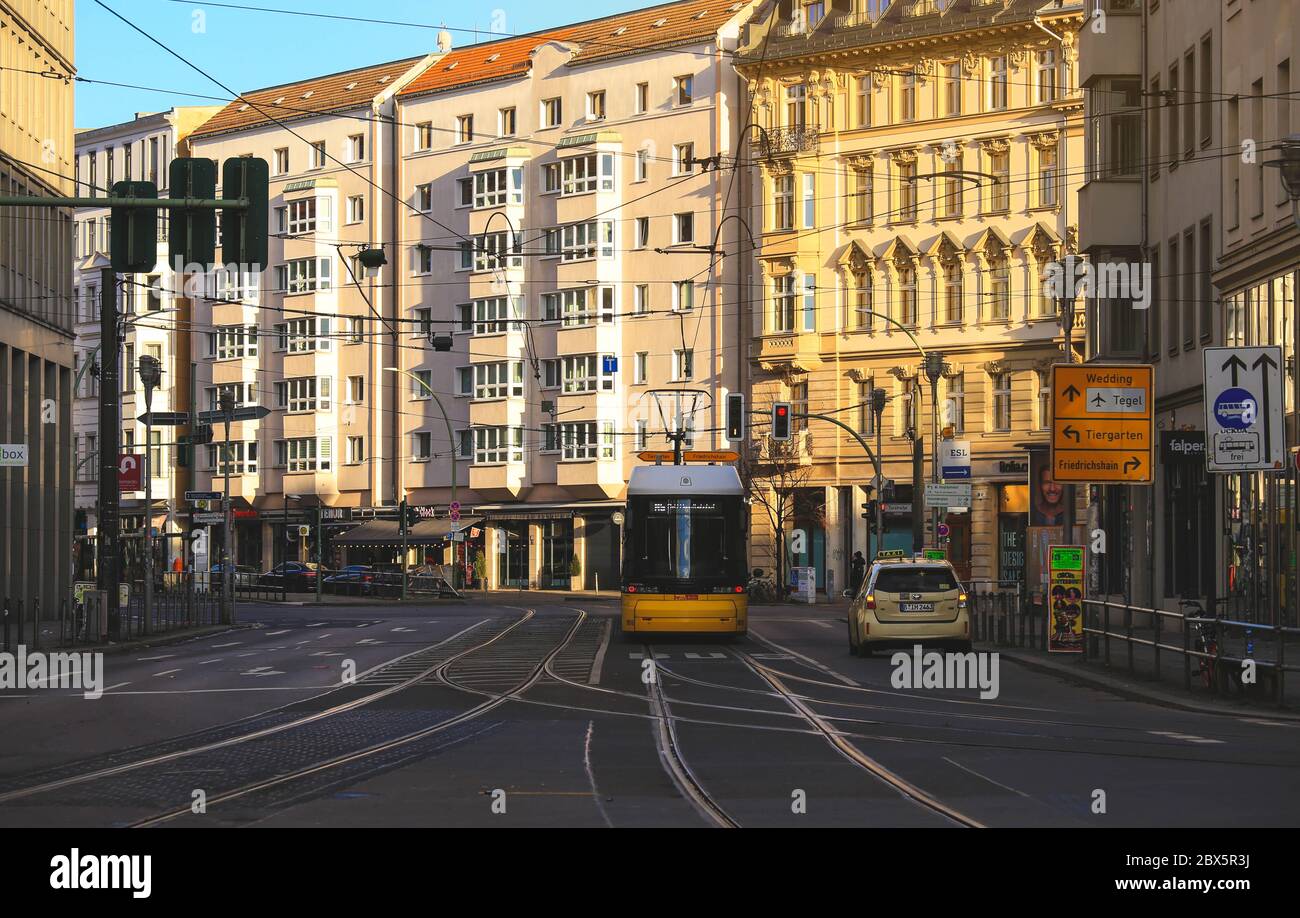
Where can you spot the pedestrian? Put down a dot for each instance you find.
(857, 572)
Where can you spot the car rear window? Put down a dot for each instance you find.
(916, 580)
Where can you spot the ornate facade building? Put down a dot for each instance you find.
(915, 167)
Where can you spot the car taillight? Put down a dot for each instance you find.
(871, 601)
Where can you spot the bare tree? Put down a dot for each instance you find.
(772, 472)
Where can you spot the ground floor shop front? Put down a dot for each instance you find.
(552, 547)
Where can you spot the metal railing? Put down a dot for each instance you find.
(999, 615)
(1155, 633)
(777, 141)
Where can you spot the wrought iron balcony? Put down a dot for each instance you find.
(784, 141)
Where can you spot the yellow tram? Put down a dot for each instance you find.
(684, 565)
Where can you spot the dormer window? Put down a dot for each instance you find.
(492, 57)
(351, 86)
(309, 93)
(658, 23)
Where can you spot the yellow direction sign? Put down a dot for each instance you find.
(690, 455)
(1102, 423)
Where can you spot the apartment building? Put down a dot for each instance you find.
(36, 308)
(308, 335)
(1207, 84)
(557, 230)
(156, 323)
(914, 165)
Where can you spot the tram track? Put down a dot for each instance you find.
(502, 671)
(410, 671)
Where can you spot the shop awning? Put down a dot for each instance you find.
(501, 513)
(388, 532)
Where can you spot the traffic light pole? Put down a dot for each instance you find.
(109, 523)
(227, 568)
(405, 549)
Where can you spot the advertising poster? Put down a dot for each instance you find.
(1065, 599)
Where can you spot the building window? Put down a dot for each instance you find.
(641, 368)
(783, 202)
(999, 290)
(907, 311)
(683, 158)
(641, 234)
(356, 208)
(952, 88)
(682, 89)
(1047, 75)
(859, 302)
(954, 407)
(809, 195)
(1115, 125)
(490, 188)
(464, 129)
(641, 299)
(242, 458)
(810, 302)
(318, 155)
(906, 192)
(579, 441)
(492, 315)
(860, 191)
(300, 336)
(953, 291)
(357, 148)
(424, 197)
(998, 199)
(578, 174)
(304, 275)
(596, 105)
(230, 342)
(1001, 384)
(783, 303)
(683, 295)
(303, 394)
(1047, 177)
(998, 83)
(498, 444)
(356, 450)
(866, 417)
(683, 228)
(421, 446)
(1044, 381)
(642, 98)
(506, 122)
(950, 203)
(305, 454)
(282, 161)
(683, 365)
(552, 112)
(907, 97)
(862, 101)
(499, 380)
(424, 136)
(796, 107)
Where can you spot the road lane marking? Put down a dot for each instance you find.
(167, 672)
(404, 630)
(119, 685)
(986, 778)
(1185, 737)
(163, 656)
(599, 662)
(324, 636)
(231, 644)
(274, 633)
(317, 624)
(214, 660)
(591, 775)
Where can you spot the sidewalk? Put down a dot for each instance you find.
(50, 634)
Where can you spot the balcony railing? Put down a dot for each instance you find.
(783, 141)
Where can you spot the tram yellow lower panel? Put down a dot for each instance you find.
(721, 614)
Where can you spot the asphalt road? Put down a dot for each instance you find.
(539, 714)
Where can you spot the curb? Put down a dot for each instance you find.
(1136, 692)
(161, 640)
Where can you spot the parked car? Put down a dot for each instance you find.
(294, 576)
(245, 576)
(355, 580)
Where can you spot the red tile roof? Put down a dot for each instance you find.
(611, 36)
(349, 89)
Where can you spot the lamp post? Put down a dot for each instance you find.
(1067, 329)
(878, 397)
(451, 440)
(227, 403)
(1289, 167)
(150, 375)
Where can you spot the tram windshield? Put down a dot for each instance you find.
(685, 538)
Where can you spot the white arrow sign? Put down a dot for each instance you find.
(1243, 409)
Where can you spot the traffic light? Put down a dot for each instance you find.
(735, 417)
(412, 515)
(243, 232)
(193, 231)
(133, 246)
(869, 510)
(781, 421)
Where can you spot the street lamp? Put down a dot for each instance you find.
(227, 403)
(372, 260)
(150, 375)
(1289, 167)
(451, 440)
(878, 397)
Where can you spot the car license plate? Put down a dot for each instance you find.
(916, 607)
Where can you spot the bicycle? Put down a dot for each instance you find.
(761, 590)
(1206, 644)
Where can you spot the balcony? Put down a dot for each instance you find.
(1118, 50)
(1110, 213)
(497, 482)
(786, 141)
(800, 350)
(795, 451)
(593, 479)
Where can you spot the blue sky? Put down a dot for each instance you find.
(246, 49)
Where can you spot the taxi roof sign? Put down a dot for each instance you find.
(891, 553)
(1103, 423)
